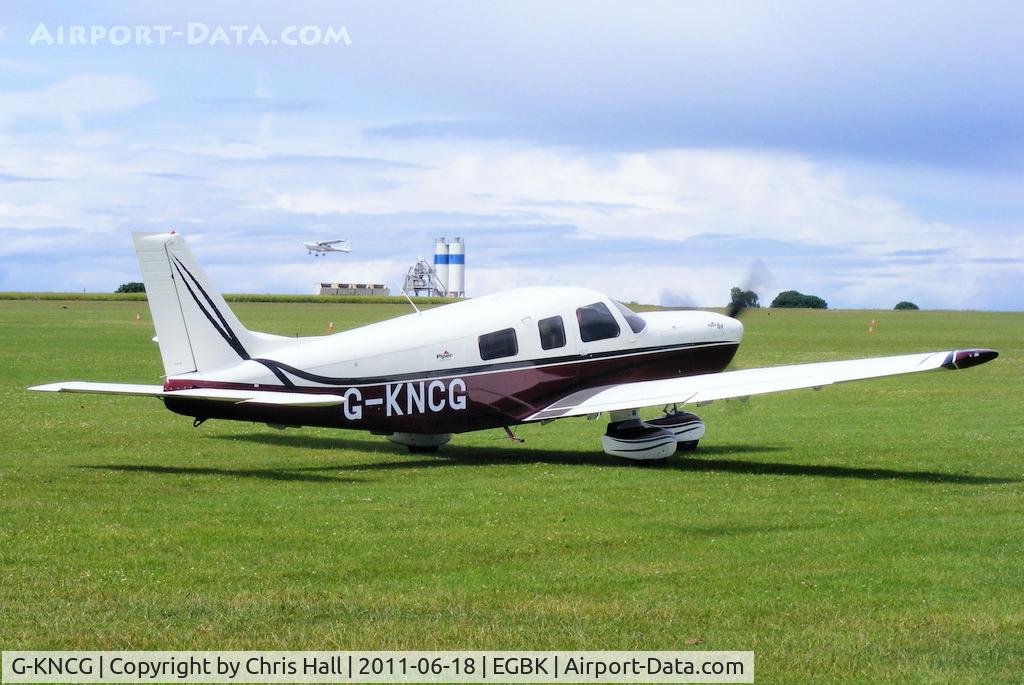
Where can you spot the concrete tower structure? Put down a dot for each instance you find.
(456, 268)
(441, 270)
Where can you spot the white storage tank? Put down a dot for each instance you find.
(457, 268)
(441, 266)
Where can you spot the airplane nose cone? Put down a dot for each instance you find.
(733, 328)
(728, 328)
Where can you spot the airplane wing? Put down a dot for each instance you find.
(289, 399)
(334, 245)
(717, 386)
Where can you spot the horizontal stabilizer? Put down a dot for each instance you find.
(718, 386)
(103, 388)
(285, 399)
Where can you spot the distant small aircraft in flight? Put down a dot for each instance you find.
(526, 355)
(324, 246)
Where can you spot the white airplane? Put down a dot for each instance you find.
(324, 246)
(525, 355)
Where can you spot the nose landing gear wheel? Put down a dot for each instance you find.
(421, 443)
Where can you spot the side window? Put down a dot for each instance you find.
(636, 323)
(552, 332)
(499, 344)
(596, 322)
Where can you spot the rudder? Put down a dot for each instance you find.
(195, 329)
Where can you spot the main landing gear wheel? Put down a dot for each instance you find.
(629, 438)
(687, 428)
(651, 442)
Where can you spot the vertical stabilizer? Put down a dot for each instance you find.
(195, 329)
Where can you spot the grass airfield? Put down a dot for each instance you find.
(869, 532)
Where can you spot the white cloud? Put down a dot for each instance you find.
(668, 195)
(30, 215)
(307, 275)
(602, 205)
(18, 66)
(74, 97)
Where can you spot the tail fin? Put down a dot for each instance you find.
(195, 329)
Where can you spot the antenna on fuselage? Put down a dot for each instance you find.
(404, 292)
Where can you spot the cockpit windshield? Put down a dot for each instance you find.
(636, 322)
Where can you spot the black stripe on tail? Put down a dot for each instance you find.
(223, 328)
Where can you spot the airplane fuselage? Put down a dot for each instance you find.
(482, 363)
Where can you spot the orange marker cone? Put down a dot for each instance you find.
(871, 327)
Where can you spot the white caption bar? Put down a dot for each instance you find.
(378, 667)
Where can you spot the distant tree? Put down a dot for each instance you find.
(905, 305)
(133, 287)
(742, 299)
(792, 299)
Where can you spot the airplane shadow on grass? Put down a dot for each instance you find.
(711, 458)
(264, 474)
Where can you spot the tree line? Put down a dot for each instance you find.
(789, 299)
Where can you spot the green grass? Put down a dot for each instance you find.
(870, 532)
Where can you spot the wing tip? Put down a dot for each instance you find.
(48, 387)
(965, 359)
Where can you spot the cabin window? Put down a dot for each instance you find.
(636, 323)
(552, 332)
(499, 344)
(596, 322)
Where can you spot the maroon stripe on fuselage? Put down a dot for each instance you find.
(462, 403)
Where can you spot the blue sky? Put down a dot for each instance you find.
(867, 152)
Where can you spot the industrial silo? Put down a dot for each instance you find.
(441, 266)
(457, 268)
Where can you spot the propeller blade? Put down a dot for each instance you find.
(758, 278)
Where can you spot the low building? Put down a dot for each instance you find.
(354, 289)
